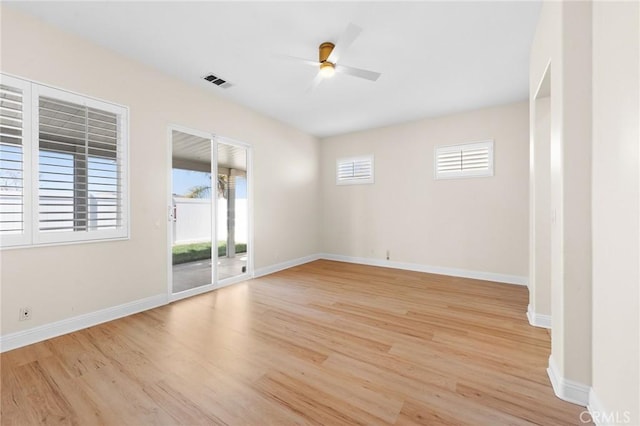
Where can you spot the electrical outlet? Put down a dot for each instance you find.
(25, 314)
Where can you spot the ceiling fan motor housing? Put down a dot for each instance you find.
(325, 50)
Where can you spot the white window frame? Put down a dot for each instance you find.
(32, 236)
(355, 180)
(462, 172)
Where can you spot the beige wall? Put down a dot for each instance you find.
(576, 189)
(66, 281)
(563, 39)
(595, 188)
(477, 224)
(616, 208)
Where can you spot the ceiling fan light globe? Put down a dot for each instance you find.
(327, 70)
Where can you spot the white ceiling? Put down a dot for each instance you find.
(435, 58)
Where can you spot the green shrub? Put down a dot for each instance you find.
(222, 248)
(191, 252)
(200, 251)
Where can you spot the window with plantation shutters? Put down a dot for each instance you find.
(14, 187)
(75, 188)
(78, 166)
(354, 170)
(466, 160)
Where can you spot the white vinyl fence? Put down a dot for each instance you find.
(193, 220)
(58, 209)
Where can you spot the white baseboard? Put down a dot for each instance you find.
(538, 320)
(595, 406)
(565, 389)
(464, 273)
(58, 328)
(284, 265)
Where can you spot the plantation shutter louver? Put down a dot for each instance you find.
(11, 160)
(468, 160)
(80, 164)
(354, 170)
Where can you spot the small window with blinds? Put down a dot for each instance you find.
(354, 170)
(77, 190)
(465, 160)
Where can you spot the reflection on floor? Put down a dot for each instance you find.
(195, 274)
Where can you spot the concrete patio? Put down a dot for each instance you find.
(195, 274)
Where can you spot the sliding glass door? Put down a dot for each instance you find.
(233, 210)
(191, 215)
(209, 213)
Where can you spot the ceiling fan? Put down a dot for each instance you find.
(328, 57)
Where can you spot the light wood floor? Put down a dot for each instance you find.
(323, 343)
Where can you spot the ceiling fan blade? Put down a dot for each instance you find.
(346, 39)
(296, 59)
(315, 83)
(357, 72)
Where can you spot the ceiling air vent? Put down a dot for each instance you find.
(217, 81)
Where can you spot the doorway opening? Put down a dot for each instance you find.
(541, 215)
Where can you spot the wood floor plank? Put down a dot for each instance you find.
(52, 406)
(316, 405)
(324, 343)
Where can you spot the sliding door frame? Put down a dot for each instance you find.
(215, 283)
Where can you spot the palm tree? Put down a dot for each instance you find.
(203, 191)
(199, 191)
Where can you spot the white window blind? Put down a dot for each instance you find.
(15, 131)
(465, 160)
(354, 170)
(11, 161)
(77, 184)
